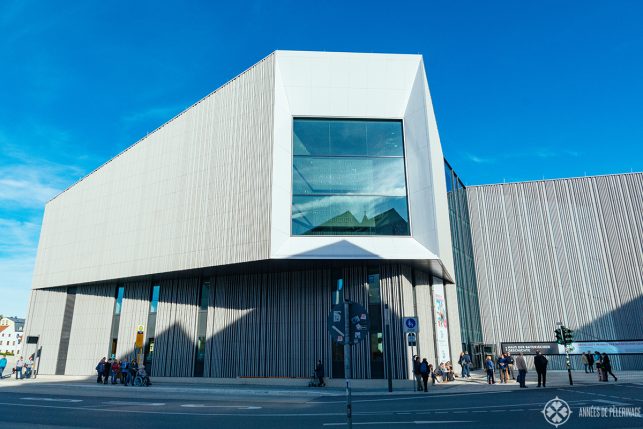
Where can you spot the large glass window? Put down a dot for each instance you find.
(154, 298)
(120, 292)
(349, 178)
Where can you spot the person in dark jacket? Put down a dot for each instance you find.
(590, 362)
(489, 368)
(100, 368)
(107, 368)
(607, 367)
(319, 373)
(417, 374)
(540, 362)
(425, 369)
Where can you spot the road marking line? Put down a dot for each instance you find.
(605, 401)
(417, 422)
(145, 404)
(52, 399)
(408, 398)
(239, 407)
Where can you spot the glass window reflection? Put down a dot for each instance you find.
(375, 176)
(349, 178)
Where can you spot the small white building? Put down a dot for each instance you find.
(11, 335)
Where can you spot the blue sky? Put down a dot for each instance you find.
(521, 91)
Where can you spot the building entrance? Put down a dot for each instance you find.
(480, 353)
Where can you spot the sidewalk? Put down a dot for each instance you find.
(298, 387)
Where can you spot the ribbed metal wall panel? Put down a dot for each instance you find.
(268, 325)
(397, 290)
(426, 335)
(45, 318)
(194, 193)
(259, 325)
(176, 328)
(134, 311)
(90, 339)
(560, 250)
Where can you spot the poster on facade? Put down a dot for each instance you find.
(546, 348)
(441, 324)
(610, 347)
(576, 348)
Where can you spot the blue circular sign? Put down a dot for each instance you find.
(410, 323)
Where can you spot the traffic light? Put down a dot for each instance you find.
(559, 336)
(568, 335)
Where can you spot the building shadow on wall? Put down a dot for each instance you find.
(623, 323)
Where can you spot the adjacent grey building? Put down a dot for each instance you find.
(548, 251)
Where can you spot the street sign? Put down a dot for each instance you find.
(410, 324)
(359, 324)
(412, 339)
(140, 337)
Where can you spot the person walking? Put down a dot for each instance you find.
(521, 365)
(19, 365)
(590, 362)
(510, 365)
(607, 367)
(424, 372)
(417, 374)
(540, 362)
(466, 369)
(3, 365)
(319, 373)
(489, 367)
(585, 362)
(100, 368)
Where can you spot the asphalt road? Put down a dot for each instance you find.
(120, 407)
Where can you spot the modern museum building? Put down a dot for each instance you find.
(221, 238)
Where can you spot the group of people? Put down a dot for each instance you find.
(23, 368)
(505, 364)
(120, 371)
(602, 362)
(423, 370)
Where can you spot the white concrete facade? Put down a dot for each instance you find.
(213, 186)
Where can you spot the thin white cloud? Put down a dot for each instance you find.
(18, 237)
(31, 186)
(15, 283)
(479, 159)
